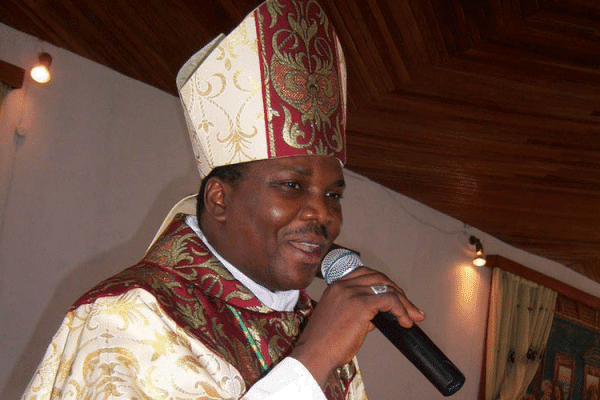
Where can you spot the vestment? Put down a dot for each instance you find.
(176, 325)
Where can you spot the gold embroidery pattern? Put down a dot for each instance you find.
(303, 72)
(98, 354)
(274, 87)
(152, 333)
(224, 108)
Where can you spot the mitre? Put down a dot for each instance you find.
(273, 87)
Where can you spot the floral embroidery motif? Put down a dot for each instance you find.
(274, 87)
(302, 77)
(198, 293)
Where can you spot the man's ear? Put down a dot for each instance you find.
(214, 199)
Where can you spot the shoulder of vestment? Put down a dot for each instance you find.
(180, 270)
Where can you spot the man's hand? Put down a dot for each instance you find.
(342, 319)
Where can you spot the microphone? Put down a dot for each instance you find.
(412, 342)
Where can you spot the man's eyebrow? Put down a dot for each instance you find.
(303, 171)
(340, 183)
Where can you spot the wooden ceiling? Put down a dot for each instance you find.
(486, 110)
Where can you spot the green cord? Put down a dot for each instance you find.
(250, 338)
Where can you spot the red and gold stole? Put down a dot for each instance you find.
(201, 296)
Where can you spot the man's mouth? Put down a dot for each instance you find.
(306, 247)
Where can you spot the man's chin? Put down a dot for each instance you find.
(300, 282)
(304, 283)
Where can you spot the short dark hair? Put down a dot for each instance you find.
(230, 174)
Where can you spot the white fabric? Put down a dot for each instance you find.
(186, 206)
(278, 301)
(223, 101)
(227, 100)
(288, 380)
(519, 323)
(126, 346)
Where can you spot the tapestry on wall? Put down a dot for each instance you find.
(570, 369)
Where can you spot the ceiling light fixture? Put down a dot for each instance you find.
(479, 259)
(41, 71)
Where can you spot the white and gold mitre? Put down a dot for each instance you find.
(274, 87)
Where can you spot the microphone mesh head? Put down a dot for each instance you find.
(337, 263)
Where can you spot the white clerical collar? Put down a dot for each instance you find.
(278, 301)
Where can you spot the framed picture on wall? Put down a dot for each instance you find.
(591, 383)
(563, 374)
(570, 366)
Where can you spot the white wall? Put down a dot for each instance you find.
(429, 255)
(104, 158)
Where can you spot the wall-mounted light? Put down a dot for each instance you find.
(479, 259)
(41, 71)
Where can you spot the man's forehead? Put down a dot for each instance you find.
(302, 165)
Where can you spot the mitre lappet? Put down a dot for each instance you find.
(274, 87)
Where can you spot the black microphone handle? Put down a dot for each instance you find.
(422, 352)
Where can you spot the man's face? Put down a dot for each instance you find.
(282, 217)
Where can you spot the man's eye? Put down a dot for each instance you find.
(292, 185)
(335, 195)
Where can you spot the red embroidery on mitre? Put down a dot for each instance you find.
(303, 80)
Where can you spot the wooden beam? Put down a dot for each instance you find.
(11, 74)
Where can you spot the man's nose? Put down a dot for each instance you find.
(316, 208)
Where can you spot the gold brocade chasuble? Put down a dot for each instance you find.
(202, 297)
